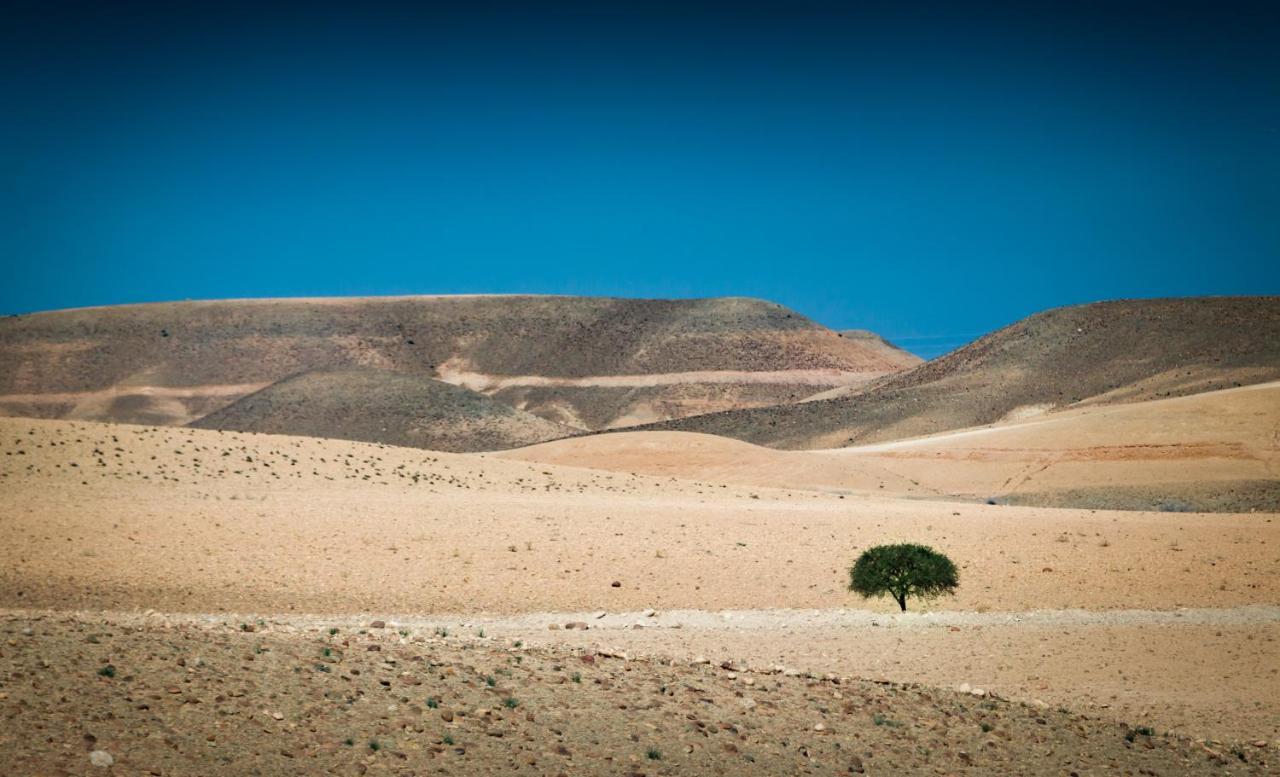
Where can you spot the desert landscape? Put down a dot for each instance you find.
(557, 535)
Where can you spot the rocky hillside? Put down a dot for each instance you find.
(383, 406)
(1108, 352)
(586, 363)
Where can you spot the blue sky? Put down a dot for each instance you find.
(928, 171)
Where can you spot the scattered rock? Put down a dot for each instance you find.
(101, 758)
(378, 625)
(616, 584)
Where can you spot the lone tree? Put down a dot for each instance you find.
(901, 571)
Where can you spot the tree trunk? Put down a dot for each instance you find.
(902, 601)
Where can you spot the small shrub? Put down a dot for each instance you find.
(107, 671)
(490, 681)
(448, 740)
(653, 754)
(510, 703)
(375, 745)
(577, 677)
(433, 702)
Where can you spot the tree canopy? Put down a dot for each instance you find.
(901, 571)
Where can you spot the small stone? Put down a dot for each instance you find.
(446, 716)
(378, 625)
(602, 613)
(855, 765)
(27, 632)
(616, 584)
(978, 692)
(819, 727)
(649, 613)
(1260, 743)
(553, 626)
(101, 758)
(277, 716)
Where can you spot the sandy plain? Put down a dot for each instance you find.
(209, 531)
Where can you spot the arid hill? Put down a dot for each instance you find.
(1215, 451)
(589, 363)
(383, 406)
(1102, 353)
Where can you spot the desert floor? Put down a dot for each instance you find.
(163, 544)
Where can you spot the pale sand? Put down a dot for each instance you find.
(283, 524)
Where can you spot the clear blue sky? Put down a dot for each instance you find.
(927, 171)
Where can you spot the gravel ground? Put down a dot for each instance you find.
(153, 695)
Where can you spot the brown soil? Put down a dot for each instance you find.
(176, 698)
